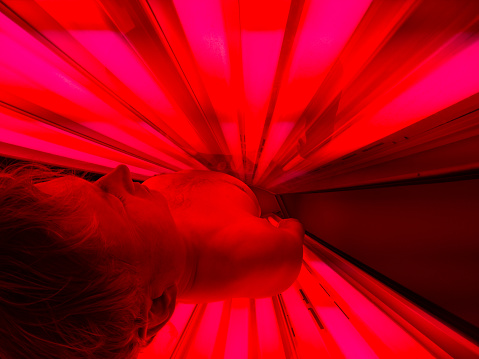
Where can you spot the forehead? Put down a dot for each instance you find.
(68, 185)
(89, 199)
(92, 204)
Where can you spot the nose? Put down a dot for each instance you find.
(117, 182)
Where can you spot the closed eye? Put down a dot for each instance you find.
(119, 200)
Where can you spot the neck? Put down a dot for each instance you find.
(182, 275)
(187, 278)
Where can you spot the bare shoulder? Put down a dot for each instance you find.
(188, 179)
(184, 189)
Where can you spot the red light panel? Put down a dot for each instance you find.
(275, 93)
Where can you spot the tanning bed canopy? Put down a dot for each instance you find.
(286, 95)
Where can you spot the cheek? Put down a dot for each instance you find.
(156, 226)
(166, 242)
(158, 243)
(151, 219)
(118, 234)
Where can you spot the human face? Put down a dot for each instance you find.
(135, 222)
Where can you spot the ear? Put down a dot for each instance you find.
(160, 312)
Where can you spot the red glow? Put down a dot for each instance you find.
(268, 331)
(166, 339)
(261, 47)
(332, 66)
(204, 341)
(455, 80)
(110, 48)
(308, 339)
(76, 14)
(348, 324)
(266, 15)
(390, 334)
(283, 94)
(260, 57)
(204, 28)
(279, 131)
(238, 329)
(326, 27)
(203, 24)
(47, 139)
(346, 337)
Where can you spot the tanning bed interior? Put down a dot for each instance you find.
(358, 117)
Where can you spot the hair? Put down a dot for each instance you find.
(61, 294)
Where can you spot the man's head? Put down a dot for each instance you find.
(84, 267)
